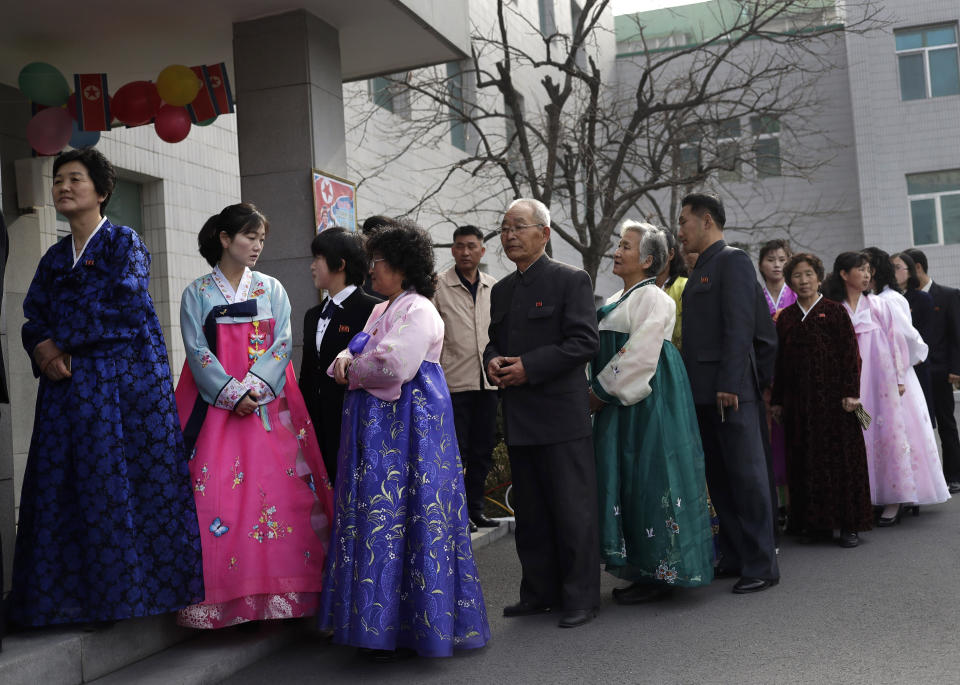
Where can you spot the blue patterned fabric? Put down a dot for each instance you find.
(401, 571)
(107, 528)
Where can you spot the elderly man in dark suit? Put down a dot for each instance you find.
(944, 363)
(543, 331)
(721, 325)
(339, 265)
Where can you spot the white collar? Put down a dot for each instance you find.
(776, 302)
(807, 311)
(73, 244)
(343, 295)
(231, 296)
(926, 288)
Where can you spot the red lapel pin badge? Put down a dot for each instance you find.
(344, 328)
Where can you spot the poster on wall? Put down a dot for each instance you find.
(334, 202)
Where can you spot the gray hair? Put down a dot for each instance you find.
(541, 213)
(653, 243)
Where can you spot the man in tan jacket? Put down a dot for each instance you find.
(463, 300)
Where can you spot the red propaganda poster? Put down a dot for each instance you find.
(334, 202)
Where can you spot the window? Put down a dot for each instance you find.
(766, 145)
(390, 93)
(548, 19)
(458, 127)
(728, 151)
(576, 11)
(381, 92)
(935, 207)
(928, 62)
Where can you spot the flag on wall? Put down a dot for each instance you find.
(93, 102)
(215, 96)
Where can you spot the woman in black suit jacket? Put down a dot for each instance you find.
(339, 264)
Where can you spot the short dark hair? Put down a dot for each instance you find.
(467, 230)
(407, 248)
(913, 282)
(98, 167)
(833, 287)
(374, 223)
(243, 217)
(338, 246)
(773, 246)
(799, 258)
(706, 202)
(919, 258)
(883, 272)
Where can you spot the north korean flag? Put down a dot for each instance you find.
(92, 102)
(215, 96)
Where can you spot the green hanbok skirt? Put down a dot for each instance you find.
(654, 514)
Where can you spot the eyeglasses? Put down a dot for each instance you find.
(507, 230)
(373, 262)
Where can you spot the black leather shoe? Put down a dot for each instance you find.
(522, 608)
(954, 487)
(481, 521)
(577, 618)
(641, 593)
(747, 585)
(473, 527)
(887, 521)
(848, 540)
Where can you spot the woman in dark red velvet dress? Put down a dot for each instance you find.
(816, 389)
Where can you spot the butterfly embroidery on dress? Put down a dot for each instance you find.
(218, 528)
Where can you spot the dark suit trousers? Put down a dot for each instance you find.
(557, 534)
(946, 425)
(475, 418)
(739, 483)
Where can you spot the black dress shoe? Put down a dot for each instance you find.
(641, 593)
(848, 539)
(577, 618)
(747, 585)
(473, 527)
(887, 521)
(954, 487)
(482, 521)
(522, 608)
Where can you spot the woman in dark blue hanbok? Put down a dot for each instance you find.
(400, 576)
(107, 527)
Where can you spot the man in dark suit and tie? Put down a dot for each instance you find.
(944, 364)
(543, 331)
(339, 265)
(721, 325)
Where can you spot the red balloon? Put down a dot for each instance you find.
(172, 123)
(136, 103)
(49, 131)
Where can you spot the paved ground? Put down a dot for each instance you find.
(886, 612)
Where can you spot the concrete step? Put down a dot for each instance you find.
(210, 657)
(69, 656)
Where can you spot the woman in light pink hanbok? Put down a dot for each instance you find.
(882, 379)
(261, 490)
(773, 257)
(925, 457)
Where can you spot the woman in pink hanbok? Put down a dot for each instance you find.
(262, 494)
(773, 257)
(882, 379)
(925, 457)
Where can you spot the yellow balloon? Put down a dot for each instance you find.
(178, 85)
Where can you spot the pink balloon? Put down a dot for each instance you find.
(49, 131)
(172, 123)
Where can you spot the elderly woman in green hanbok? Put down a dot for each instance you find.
(654, 521)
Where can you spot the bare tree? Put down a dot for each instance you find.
(547, 118)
